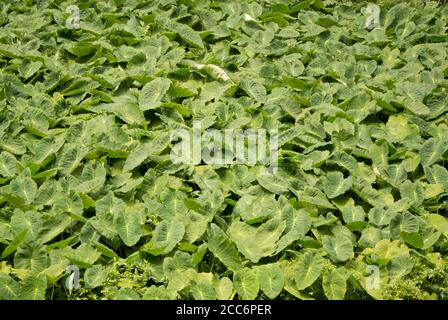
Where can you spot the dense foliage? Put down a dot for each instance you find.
(356, 210)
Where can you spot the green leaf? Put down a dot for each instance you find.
(379, 154)
(335, 284)
(369, 237)
(339, 248)
(15, 243)
(70, 158)
(243, 235)
(196, 226)
(28, 68)
(152, 93)
(386, 250)
(36, 122)
(223, 288)
(405, 222)
(90, 170)
(145, 150)
(274, 183)
(412, 238)
(246, 283)
(296, 228)
(206, 178)
(105, 250)
(33, 286)
(54, 227)
(127, 294)
(267, 235)
(202, 287)
(187, 34)
(199, 254)
(271, 279)
(29, 220)
(439, 222)
(308, 268)
(350, 212)
(438, 175)
(127, 225)
(83, 256)
(95, 276)
(156, 293)
(254, 89)
(314, 196)
(10, 287)
(124, 107)
(167, 235)
(8, 164)
(413, 192)
(380, 217)
(255, 209)
(25, 188)
(222, 248)
(31, 256)
(335, 184)
(432, 150)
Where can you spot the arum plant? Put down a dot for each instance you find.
(323, 124)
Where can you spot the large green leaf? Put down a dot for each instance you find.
(152, 93)
(223, 288)
(256, 242)
(438, 175)
(145, 150)
(202, 287)
(413, 192)
(432, 150)
(222, 248)
(439, 222)
(254, 89)
(30, 221)
(8, 164)
(24, 187)
(127, 225)
(96, 117)
(335, 184)
(33, 286)
(271, 279)
(31, 256)
(296, 228)
(15, 243)
(83, 256)
(255, 209)
(334, 284)
(10, 287)
(308, 268)
(187, 34)
(167, 235)
(246, 283)
(339, 247)
(95, 276)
